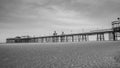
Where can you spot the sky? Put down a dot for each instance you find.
(43, 17)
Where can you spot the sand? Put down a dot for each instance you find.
(61, 55)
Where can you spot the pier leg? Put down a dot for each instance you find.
(85, 37)
(66, 38)
(63, 38)
(56, 39)
(97, 37)
(53, 38)
(114, 36)
(103, 36)
(82, 37)
(60, 38)
(72, 38)
(79, 38)
(46, 40)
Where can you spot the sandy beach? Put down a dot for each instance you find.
(104, 54)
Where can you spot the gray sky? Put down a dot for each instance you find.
(42, 17)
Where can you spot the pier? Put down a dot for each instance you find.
(113, 35)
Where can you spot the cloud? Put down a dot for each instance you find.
(97, 11)
(48, 15)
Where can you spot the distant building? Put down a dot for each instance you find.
(63, 33)
(55, 33)
(116, 25)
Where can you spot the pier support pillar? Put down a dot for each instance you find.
(100, 37)
(72, 38)
(62, 38)
(113, 36)
(85, 37)
(66, 38)
(79, 38)
(82, 37)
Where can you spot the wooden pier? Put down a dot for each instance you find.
(113, 35)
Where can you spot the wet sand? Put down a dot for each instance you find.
(61, 55)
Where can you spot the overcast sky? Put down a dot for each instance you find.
(42, 17)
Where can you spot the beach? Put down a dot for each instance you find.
(94, 54)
